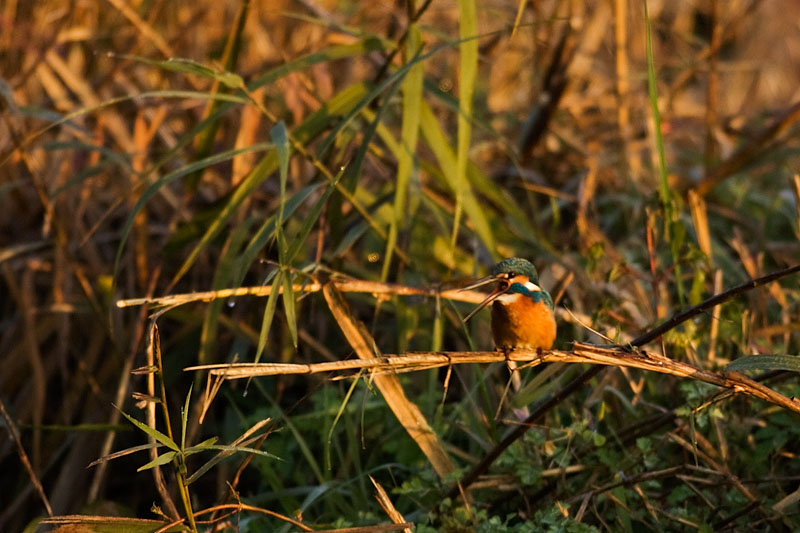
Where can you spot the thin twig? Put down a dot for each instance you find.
(23, 457)
(714, 301)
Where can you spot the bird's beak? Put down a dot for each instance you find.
(479, 283)
(501, 288)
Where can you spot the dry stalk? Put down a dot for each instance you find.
(581, 353)
(372, 287)
(406, 411)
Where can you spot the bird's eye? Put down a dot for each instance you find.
(511, 275)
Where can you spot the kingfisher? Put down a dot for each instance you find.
(522, 312)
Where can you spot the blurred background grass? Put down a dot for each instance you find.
(416, 151)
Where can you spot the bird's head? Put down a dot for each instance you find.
(513, 275)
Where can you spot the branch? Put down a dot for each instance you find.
(710, 303)
(373, 287)
(581, 353)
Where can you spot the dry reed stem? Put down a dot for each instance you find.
(143, 27)
(373, 287)
(406, 411)
(387, 505)
(140, 523)
(697, 207)
(581, 353)
(796, 182)
(154, 361)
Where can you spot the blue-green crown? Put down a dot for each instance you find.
(518, 266)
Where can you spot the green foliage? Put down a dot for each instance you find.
(453, 519)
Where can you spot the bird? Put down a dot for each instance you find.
(522, 311)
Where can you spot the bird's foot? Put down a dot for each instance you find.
(505, 349)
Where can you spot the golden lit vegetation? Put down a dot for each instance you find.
(233, 235)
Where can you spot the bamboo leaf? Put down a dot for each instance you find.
(153, 432)
(243, 449)
(121, 453)
(158, 461)
(226, 452)
(765, 362)
(468, 62)
(201, 447)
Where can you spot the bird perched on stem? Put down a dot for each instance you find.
(522, 312)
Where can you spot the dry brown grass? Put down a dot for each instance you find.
(562, 131)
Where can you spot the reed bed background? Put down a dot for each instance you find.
(301, 183)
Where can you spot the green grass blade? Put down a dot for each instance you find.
(435, 138)
(289, 307)
(354, 166)
(765, 362)
(299, 439)
(189, 66)
(267, 231)
(310, 219)
(468, 63)
(333, 53)
(227, 270)
(204, 142)
(58, 120)
(412, 98)
(269, 313)
(256, 177)
(339, 413)
(375, 92)
(673, 237)
(185, 416)
(653, 94)
(169, 178)
(280, 138)
(309, 129)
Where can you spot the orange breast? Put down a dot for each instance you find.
(523, 323)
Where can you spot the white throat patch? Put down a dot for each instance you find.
(508, 298)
